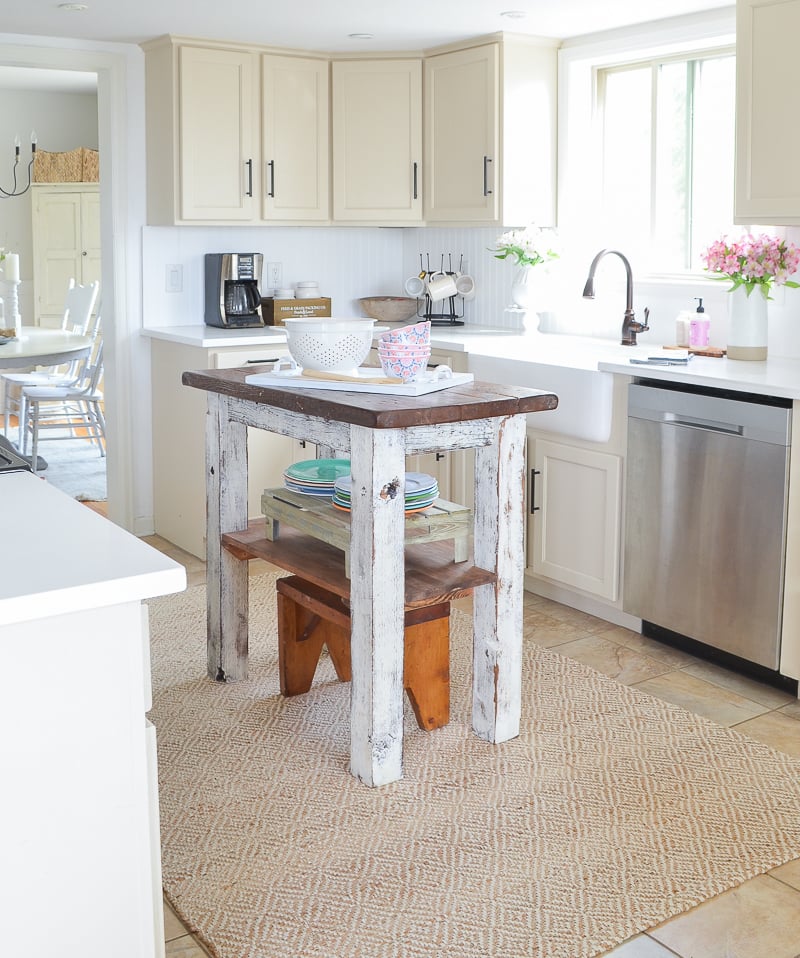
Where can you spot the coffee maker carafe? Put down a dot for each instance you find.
(233, 299)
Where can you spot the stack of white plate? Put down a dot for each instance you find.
(315, 477)
(422, 491)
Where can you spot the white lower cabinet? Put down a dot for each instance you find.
(81, 864)
(574, 516)
(179, 492)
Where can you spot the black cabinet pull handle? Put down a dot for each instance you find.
(486, 161)
(534, 474)
(415, 181)
(271, 168)
(440, 456)
(249, 165)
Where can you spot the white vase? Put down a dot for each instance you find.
(747, 326)
(522, 289)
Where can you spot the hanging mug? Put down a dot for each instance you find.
(465, 286)
(414, 286)
(440, 286)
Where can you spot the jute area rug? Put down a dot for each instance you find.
(611, 812)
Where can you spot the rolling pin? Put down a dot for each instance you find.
(344, 378)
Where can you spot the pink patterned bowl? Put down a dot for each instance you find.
(415, 334)
(405, 369)
(399, 352)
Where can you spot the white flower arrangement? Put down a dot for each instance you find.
(527, 247)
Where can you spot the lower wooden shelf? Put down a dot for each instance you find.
(431, 574)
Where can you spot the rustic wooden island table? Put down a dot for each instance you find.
(377, 432)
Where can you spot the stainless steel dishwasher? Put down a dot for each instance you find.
(707, 474)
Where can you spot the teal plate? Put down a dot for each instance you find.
(318, 470)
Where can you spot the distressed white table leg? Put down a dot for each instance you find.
(377, 601)
(497, 616)
(226, 576)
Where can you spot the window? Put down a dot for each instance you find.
(667, 156)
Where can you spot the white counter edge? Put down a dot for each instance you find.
(66, 558)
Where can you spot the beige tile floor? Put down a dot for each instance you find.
(759, 919)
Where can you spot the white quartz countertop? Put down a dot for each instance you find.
(62, 557)
(775, 377)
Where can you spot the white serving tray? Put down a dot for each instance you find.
(428, 383)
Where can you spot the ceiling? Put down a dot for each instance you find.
(325, 25)
(319, 25)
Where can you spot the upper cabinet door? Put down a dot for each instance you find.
(295, 123)
(767, 140)
(218, 134)
(462, 135)
(377, 141)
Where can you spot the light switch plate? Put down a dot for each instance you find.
(174, 278)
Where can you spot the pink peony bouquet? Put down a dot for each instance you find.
(753, 261)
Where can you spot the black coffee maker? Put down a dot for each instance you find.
(233, 299)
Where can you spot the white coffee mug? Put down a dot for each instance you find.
(465, 286)
(440, 286)
(414, 286)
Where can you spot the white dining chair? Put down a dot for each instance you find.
(74, 411)
(81, 315)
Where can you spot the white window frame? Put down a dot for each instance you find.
(579, 188)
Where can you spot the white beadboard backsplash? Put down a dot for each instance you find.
(350, 262)
(346, 262)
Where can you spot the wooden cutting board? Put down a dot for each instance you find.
(716, 352)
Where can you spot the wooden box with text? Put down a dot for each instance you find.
(275, 311)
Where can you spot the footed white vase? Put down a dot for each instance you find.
(522, 289)
(747, 326)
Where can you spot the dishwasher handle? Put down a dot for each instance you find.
(707, 425)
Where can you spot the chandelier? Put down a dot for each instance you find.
(15, 191)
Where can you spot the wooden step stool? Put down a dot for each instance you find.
(310, 617)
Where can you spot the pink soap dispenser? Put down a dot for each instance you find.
(699, 326)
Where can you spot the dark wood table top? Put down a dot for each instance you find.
(477, 400)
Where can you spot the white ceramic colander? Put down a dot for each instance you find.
(333, 345)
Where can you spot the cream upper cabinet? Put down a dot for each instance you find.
(767, 142)
(202, 133)
(235, 135)
(218, 134)
(462, 134)
(377, 141)
(66, 244)
(295, 144)
(490, 134)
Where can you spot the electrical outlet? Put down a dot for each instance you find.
(174, 280)
(274, 275)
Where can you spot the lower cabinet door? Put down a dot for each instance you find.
(268, 454)
(574, 517)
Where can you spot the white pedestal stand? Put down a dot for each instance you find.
(11, 305)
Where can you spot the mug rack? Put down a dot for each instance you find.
(448, 314)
